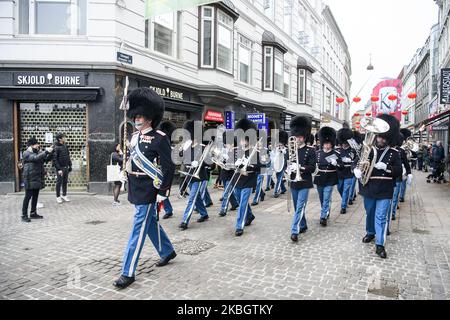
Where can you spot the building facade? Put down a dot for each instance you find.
(67, 74)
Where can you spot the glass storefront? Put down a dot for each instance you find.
(44, 121)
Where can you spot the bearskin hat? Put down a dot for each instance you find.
(344, 135)
(310, 140)
(391, 135)
(301, 127)
(406, 133)
(245, 125)
(168, 127)
(327, 135)
(283, 137)
(400, 140)
(358, 137)
(147, 103)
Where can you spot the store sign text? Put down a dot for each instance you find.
(168, 93)
(50, 79)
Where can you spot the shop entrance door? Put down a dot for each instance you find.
(44, 121)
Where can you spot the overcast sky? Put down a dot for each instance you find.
(392, 30)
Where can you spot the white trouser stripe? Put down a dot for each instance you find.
(138, 245)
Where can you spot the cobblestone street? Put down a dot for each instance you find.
(76, 252)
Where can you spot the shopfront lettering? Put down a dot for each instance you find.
(50, 79)
(169, 93)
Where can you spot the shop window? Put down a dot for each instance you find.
(161, 33)
(216, 39)
(304, 87)
(56, 17)
(273, 69)
(287, 82)
(245, 59)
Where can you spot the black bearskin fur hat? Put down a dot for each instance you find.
(168, 127)
(406, 133)
(245, 125)
(147, 103)
(301, 127)
(284, 137)
(327, 135)
(394, 129)
(344, 135)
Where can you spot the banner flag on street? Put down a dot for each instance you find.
(158, 7)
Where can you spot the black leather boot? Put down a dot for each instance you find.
(123, 282)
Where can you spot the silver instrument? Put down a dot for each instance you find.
(278, 162)
(355, 146)
(293, 147)
(196, 173)
(410, 146)
(373, 126)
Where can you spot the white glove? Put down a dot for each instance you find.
(358, 173)
(160, 198)
(123, 177)
(381, 166)
(292, 168)
(346, 160)
(334, 162)
(238, 163)
(49, 150)
(194, 164)
(410, 179)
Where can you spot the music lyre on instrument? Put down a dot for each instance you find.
(373, 126)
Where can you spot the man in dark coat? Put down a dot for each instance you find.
(33, 176)
(63, 166)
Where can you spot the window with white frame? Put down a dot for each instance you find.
(268, 68)
(304, 95)
(216, 39)
(53, 17)
(161, 33)
(287, 82)
(328, 101)
(278, 72)
(245, 60)
(207, 37)
(224, 42)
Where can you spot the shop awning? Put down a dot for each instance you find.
(432, 120)
(50, 93)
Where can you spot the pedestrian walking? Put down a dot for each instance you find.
(117, 159)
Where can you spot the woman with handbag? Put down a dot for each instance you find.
(117, 160)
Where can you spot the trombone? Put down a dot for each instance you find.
(196, 174)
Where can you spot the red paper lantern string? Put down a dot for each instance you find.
(405, 113)
(368, 114)
(392, 97)
(412, 95)
(356, 99)
(340, 100)
(374, 99)
(356, 114)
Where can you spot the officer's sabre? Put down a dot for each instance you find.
(159, 207)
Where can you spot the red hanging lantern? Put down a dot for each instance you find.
(368, 114)
(374, 99)
(392, 97)
(356, 114)
(340, 100)
(358, 123)
(356, 99)
(392, 113)
(405, 113)
(412, 95)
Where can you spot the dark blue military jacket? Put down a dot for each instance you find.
(327, 175)
(381, 183)
(405, 163)
(307, 158)
(153, 144)
(345, 170)
(250, 180)
(195, 155)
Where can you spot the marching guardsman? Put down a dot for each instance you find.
(245, 181)
(260, 195)
(310, 141)
(317, 146)
(226, 175)
(345, 175)
(281, 151)
(168, 128)
(306, 155)
(269, 171)
(379, 190)
(207, 201)
(359, 139)
(328, 160)
(195, 184)
(404, 178)
(148, 185)
(408, 177)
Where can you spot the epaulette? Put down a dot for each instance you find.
(161, 133)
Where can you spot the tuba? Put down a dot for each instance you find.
(373, 126)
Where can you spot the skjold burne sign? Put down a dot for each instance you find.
(50, 79)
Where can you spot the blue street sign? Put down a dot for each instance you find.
(264, 126)
(229, 120)
(259, 118)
